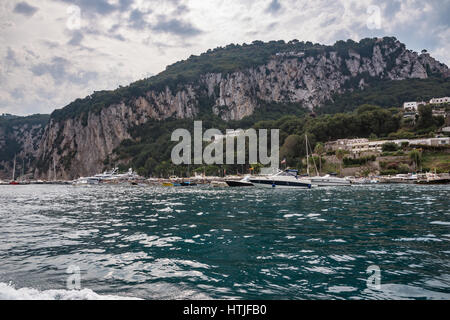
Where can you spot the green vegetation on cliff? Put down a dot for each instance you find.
(388, 93)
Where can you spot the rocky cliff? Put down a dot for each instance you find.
(20, 137)
(80, 144)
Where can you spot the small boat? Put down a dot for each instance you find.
(329, 180)
(433, 178)
(402, 178)
(363, 181)
(282, 179)
(179, 184)
(218, 184)
(86, 181)
(241, 183)
(14, 183)
(188, 184)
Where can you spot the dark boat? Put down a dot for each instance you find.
(241, 183)
(185, 184)
(434, 181)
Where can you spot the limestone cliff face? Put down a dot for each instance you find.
(311, 81)
(79, 149)
(21, 140)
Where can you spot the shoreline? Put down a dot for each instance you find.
(436, 179)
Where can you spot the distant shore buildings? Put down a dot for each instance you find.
(411, 108)
(365, 145)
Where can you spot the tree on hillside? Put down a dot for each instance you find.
(291, 149)
(416, 157)
(425, 120)
(389, 147)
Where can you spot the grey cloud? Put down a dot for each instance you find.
(11, 58)
(181, 9)
(76, 39)
(137, 20)
(272, 26)
(176, 27)
(392, 8)
(58, 70)
(25, 9)
(102, 7)
(274, 7)
(17, 93)
(50, 44)
(125, 4)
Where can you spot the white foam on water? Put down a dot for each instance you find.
(8, 292)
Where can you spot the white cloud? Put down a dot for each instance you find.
(45, 65)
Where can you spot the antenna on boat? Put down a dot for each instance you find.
(54, 169)
(307, 154)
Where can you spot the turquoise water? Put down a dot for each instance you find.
(209, 243)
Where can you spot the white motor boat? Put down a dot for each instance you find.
(86, 181)
(329, 180)
(283, 179)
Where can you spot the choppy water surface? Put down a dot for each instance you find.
(207, 243)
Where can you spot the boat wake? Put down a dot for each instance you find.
(8, 292)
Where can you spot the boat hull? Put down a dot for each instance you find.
(280, 184)
(322, 183)
(239, 184)
(436, 181)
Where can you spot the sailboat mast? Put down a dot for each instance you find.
(14, 169)
(54, 169)
(307, 154)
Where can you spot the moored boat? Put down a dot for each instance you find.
(433, 178)
(240, 183)
(283, 179)
(329, 180)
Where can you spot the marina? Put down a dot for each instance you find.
(288, 178)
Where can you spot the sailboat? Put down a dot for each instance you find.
(13, 181)
(322, 181)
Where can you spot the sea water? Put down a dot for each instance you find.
(224, 243)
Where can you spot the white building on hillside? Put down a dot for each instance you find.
(411, 106)
(440, 100)
(365, 145)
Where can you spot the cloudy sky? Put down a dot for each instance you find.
(54, 51)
